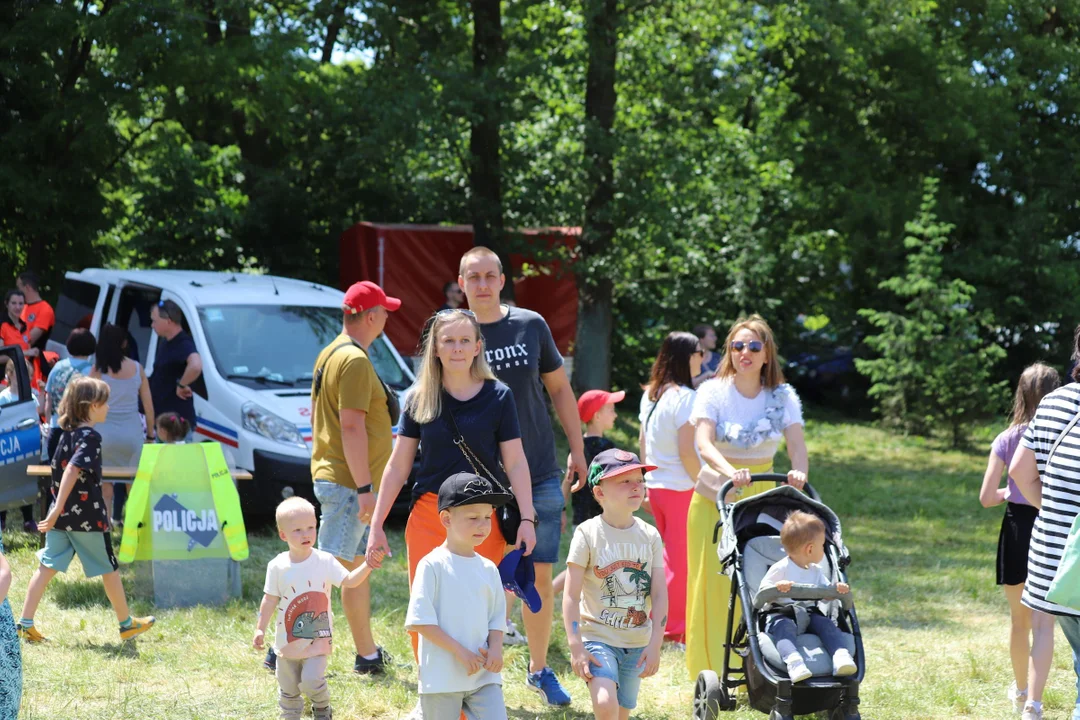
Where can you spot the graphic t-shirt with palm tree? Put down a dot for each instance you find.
(620, 567)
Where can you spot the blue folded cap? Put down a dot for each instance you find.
(519, 577)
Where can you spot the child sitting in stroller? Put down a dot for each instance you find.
(803, 538)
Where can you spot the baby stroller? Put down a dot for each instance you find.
(749, 546)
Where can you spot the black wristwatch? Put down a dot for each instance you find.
(363, 490)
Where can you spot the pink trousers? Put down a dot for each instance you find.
(669, 510)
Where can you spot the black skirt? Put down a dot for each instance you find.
(1013, 543)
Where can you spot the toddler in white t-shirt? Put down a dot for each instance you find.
(298, 585)
(803, 538)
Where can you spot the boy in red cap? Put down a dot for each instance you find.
(596, 408)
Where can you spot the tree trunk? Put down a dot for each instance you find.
(485, 175)
(592, 349)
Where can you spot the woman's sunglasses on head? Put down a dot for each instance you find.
(754, 346)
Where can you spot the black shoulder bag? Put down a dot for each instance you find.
(392, 404)
(509, 515)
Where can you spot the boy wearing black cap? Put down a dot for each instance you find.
(615, 577)
(458, 608)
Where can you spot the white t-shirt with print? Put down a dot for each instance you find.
(662, 437)
(304, 619)
(620, 566)
(744, 429)
(464, 597)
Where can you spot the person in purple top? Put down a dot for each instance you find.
(1036, 382)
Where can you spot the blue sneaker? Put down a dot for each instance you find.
(547, 686)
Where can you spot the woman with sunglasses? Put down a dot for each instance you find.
(739, 419)
(455, 387)
(667, 438)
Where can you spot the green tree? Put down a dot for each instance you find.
(935, 365)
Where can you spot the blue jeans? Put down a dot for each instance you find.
(340, 531)
(780, 627)
(548, 502)
(1071, 627)
(620, 666)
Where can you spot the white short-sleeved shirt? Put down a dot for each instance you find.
(747, 428)
(662, 437)
(620, 565)
(785, 569)
(304, 619)
(1060, 493)
(464, 597)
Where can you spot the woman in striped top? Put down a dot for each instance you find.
(1051, 484)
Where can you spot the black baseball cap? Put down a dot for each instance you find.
(614, 462)
(469, 489)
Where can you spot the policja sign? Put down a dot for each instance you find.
(183, 506)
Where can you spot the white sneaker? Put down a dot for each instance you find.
(1017, 697)
(1030, 713)
(512, 636)
(843, 664)
(796, 669)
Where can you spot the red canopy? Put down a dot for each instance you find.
(413, 262)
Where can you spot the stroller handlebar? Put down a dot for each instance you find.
(803, 592)
(778, 478)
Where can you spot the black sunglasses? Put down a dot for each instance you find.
(755, 346)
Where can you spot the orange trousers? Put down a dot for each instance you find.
(424, 532)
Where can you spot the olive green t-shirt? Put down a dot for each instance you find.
(349, 382)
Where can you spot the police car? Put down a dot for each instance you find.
(258, 336)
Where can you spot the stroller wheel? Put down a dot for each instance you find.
(710, 697)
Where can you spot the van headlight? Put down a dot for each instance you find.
(259, 420)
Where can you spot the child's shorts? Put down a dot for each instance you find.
(1013, 543)
(620, 666)
(93, 548)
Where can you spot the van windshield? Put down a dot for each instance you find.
(276, 345)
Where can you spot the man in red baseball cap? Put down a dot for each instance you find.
(352, 431)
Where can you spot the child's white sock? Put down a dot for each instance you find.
(1034, 705)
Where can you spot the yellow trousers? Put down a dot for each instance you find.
(707, 588)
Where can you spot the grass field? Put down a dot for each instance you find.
(935, 626)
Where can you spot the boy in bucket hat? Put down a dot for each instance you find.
(615, 577)
(461, 641)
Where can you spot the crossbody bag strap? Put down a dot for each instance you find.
(392, 404)
(317, 382)
(1070, 426)
(653, 409)
(474, 460)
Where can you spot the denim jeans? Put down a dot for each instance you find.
(1071, 627)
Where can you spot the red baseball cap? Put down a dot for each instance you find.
(365, 295)
(591, 401)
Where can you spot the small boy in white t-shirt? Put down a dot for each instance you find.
(615, 577)
(298, 585)
(803, 538)
(458, 608)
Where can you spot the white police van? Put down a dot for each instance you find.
(258, 336)
(20, 433)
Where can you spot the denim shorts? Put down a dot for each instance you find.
(93, 548)
(548, 502)
(340, 531)
(620, 666)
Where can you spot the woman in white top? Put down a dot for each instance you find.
(667, 438)
(739, 419)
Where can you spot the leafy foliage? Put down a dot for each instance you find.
(936, 366)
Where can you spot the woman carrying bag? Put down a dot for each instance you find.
(1046, 469)
(466, 421)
